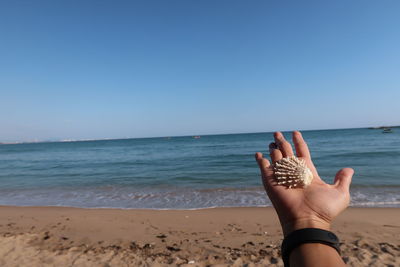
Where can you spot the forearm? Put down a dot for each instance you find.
(315, 254)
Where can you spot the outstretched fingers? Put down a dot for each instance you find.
(263, 163)
(284, 146)
(265, 169)
(274, 152)
(301, 146)
(302, 151)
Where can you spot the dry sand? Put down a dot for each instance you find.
(55, 236)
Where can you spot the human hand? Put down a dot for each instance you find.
(314, 206)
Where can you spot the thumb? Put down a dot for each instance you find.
(343, 179)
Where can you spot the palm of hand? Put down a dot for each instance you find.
(314, 205)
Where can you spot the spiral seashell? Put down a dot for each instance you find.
(292, 172)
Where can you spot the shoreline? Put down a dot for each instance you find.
(183, 209)
(168, 198)
(213, 236)
(381, 205)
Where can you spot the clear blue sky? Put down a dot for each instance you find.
(111, 69)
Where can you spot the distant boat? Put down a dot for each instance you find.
(197, 137)
(387, 130)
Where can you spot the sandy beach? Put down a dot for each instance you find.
(56, 236)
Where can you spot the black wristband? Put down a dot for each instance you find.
(307, 235)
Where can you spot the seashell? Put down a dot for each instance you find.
(292, 172)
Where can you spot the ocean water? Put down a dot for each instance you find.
(188, 173)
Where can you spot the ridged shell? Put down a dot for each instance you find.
(292, 172)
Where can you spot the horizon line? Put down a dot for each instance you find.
(177, 136)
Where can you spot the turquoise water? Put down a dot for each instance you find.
(184, 172)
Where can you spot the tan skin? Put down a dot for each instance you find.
(312, 207)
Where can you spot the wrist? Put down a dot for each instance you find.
(302, 223)
(310, 243)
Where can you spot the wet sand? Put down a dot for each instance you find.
(56, 236)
